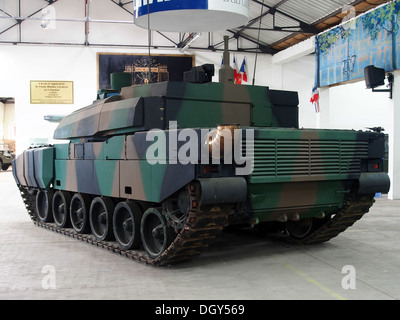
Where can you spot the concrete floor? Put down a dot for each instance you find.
(237, 267)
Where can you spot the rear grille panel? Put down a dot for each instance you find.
(275, 158)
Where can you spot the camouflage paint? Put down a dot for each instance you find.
(304, 171)
(308, 199)
(35, 168)
(44, 167)
(102, 118)
(211, 105)
(114, 168)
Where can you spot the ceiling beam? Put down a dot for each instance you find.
(122, 5)
(262, 47)
(239, 33)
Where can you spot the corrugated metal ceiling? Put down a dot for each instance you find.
(279, 24)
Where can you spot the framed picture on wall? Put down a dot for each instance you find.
(163, 67)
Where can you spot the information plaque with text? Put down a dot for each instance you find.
(52, 92)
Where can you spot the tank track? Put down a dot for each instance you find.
(201, 229)
(354, 209)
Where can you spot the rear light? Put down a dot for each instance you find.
(210, 169)
(375, 165)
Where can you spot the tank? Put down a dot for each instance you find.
(6, 156)
(158, 171)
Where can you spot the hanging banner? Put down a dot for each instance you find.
(191, 15)
(343, 52)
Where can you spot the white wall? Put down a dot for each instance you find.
(352, 106)
(9, 121)
(21, 64)
(298, 76)
(349, 106)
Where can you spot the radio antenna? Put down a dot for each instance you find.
(149, 39)
(258, 40)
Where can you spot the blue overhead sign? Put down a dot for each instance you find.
(191, 15)
(143, 7)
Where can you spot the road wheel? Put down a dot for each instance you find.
(100, 217)
(61, 204)
(300, 229)
(44, 200)
(156, 235)
(126, 224)
(79, 213)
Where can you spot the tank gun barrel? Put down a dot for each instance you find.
(54, 118)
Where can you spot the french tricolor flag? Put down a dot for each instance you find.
(243, 70)
(315, 99)
(238, 75)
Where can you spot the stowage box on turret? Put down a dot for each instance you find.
(158, 171)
